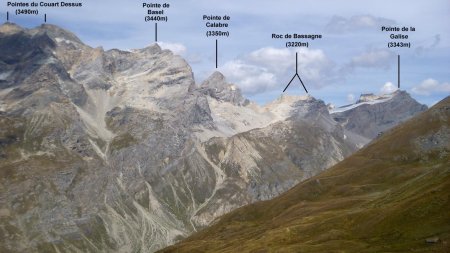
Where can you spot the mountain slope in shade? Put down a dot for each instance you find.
(391, 196)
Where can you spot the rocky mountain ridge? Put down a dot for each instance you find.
(371, 115)
(122, 151)
(391, 196)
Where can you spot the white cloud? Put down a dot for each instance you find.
(176, 48)
(251, 79)
(194, 58)
(350, 98)
(269, 68)
(278, 60)
(429, 86)
(340, 24)
(311, 62)
(373, 58)
(429, 44)
(388, 88)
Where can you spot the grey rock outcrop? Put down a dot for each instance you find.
(217, 87)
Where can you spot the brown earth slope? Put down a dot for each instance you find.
(391, 196)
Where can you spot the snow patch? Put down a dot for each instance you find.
(62, 40)
(5, 75)
(365, 99)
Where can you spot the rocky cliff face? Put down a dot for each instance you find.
(121, 151)
(71, 115)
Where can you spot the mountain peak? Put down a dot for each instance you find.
(217, 87)
(10, 28)
(53, 32)
(217, 75)
(286, 102)
(372, 114)
(400, 93)
(216, 79)
(292, 98)
(56, 33)
(154, 48)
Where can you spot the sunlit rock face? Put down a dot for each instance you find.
(121, 151)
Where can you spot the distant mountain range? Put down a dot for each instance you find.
(122, 150)
(391, 196)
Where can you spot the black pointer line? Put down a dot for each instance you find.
(216, 53)
(398, 71)
(290, 82)
(302, 83)
(296, 75)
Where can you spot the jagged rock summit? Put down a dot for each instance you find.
(217, 87)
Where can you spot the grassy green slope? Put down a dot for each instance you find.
(388, 197)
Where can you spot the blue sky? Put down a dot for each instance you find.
(351, 58)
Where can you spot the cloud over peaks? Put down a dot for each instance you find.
(340, 24)
(388, 88)
(373, 58)
(176, 48)
(430, 86)
(269, 68)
